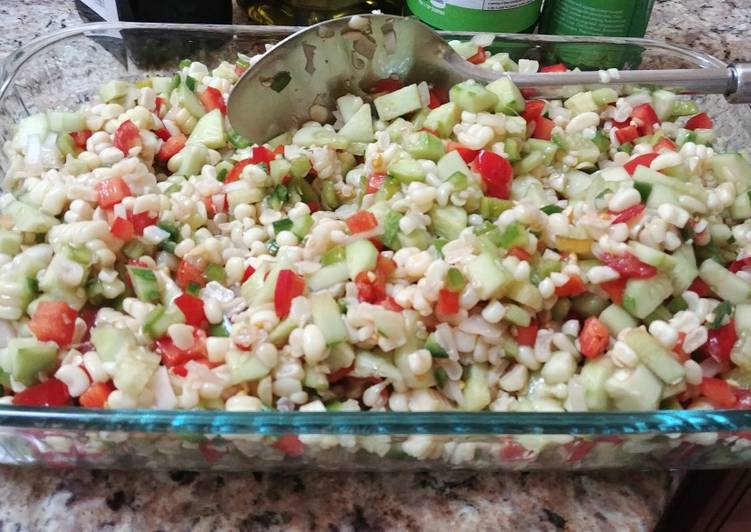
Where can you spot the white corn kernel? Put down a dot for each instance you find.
(217, 348)
(673, 214)
(515, 379)
(243, 403)
(268, 354)
(664, 333)
(602, 274)
(623, 199)
(560, 368)
(695, 339)
(74, 378)
(182, 335)
(493, 311)
(693, 372)
(313, 343)
(420, 361)
(583, 121)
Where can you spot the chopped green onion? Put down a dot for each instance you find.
(221, 175)
(285, 224)
(237, 140)
(720, 312)
(184, 63)
(551, 209)
(190, 83)
(193, 289)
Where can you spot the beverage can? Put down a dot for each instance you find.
(502, 16)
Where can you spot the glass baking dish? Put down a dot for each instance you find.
(65, 69)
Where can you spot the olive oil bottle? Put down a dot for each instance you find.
(305, 12)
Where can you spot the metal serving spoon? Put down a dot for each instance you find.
(303, 75)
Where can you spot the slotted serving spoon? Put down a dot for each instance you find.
(301, 77)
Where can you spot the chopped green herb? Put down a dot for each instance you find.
(185, 63)
(721, 311)
(190, 83)
(551, 209)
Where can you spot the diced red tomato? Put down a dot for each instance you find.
(172, 146)
(519, 253)
(641, 160)
(390, 304)
(336, 376)
(465, 153)
(665, 144)
(279, 150)
(160, 107)
(646, 117)
(743, 399)
(54, 321)
(237, 170)
(615, 289)
(513, 451)
(52, 392)
(386, 85)
(626, 134)
(126, 136)
(192, 308)
(718, 392)
(594, 337)
(361, 222)
(289, 285)
(558, 67)
(740, 264)
(478, 57)
(173, 356)
(163, 133)
(188, 273)
(720, 342)
(122, 228)
(533, 110)
(627, 215)
(96, 396)
(527, 335)
(438, 97)
(448, 302)
(212, 99)
(111, 191)
(371, 286)
(629, 266)
(261, 154)
(250, 270)
(80, 137)
(700, 287)
(573, 287)
(543, 128)
(700, 121)
(141, 221)
(496, 174)
(289, 445)
(375, 182)
(579, 449)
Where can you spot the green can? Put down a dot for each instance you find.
(613, 18)
(499, 16)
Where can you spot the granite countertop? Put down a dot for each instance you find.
(32, 499)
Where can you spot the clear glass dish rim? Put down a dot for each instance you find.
(363, 423)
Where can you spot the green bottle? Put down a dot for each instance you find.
(500, 16)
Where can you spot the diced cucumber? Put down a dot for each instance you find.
(110, 341)
(528, 163)
(476, 389)
(26, 358)
(732, 168)
(589, 304)
(144, 283)
(642, 296)
(443, 118)
(398, 103)
(340, 356)
(390, 237)
(302, 226)
(348, 105)
(418, 238)
(435, 348)
(423, 145)
(581, 102)
(280, 140)
(36, 124)
(192, 159)
(517, 316)
(285, 224)
(585, 150)
(656, 194)
(406, 170)
(359, 128)
(662, 102)
(526, 294)
(637, 389)
(66, 145)
(724, 283)
(616, 319)
(134, 370)
(684, 108)
(161, 84)
(685, 271)
(65, 122)
(415, 382)
(28, 218)
(10, 242)
(653, 355)
(513, 148)
(465, 49)
(328, 276)
(488, 276)
(473, 97)
(502, 60)
(546, 147)
(742, 318)
(113, 90)
(594, 375)
(370, 364)
(209, 131)
(327, 317)
(514, 235)
(604, 96)
(492, 208)
(510, 99)
(450, 164)
(245, 367)
(314, 379)
(652, 256)
(187, 98)
(361, 256)
(741, 207)
(159, 319)
(448, 222)
(648, 175)
(279, 334)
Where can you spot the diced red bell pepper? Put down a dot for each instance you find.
(290, 445)
(646, 117)
(390, 304)
(52, 392)
(361, 222)
(163, 133)
(173, 356)
(478, 57)
(519, 253)
(629, 266)
(122, 228)
(172, 146)
(289, 285)
(250, 270)
(375, 182)
(700, 287)
(438, 97)
(627, 215)
(160, 106)
(96, 396)
(720, 342)
(336, 376)
(718, 392)
(80, 137)
(641, 160)
(212, 99)
(192, 308)
(448, 302)
(127, 135)
(261, 154)
(188, 273)
(740, 264)
(680, 355)
(141, 221)
(386, 85)
(615, 289)
(465, 153)
(496, 173)
(558, 67)
(371, 287)
(533, 110)
(665, 144)
(626, 134)
(573, 287)
(594, 337)
(543, 128)
(527, 335)
(700, 121)
(111, 191)
(237, 170)
(54, 321)
(513, 451)
(579, 449)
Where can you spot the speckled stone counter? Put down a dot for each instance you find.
(33, 499)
